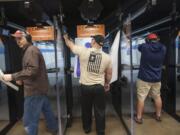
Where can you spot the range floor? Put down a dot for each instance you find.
(178, 113)
(3, 124)
(113, 127)
(168, 126)
(18, 129)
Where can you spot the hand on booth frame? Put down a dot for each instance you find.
(7, 77)
(65, 36)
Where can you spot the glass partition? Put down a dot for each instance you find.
(178, 76)
(127, 77)
(53, 54)
(61, 91)
(4, 108)
(48, 51)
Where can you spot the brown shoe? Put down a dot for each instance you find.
(158, 118)
(138, 121)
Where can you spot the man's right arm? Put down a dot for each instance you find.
(68, 42)
(76, 49)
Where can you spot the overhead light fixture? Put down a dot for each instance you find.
(2, 16)
(27, 3)
(154, 2)
(39, 25)
(49, 22)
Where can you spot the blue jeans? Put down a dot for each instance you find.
(33, 106)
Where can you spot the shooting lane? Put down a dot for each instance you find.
(174, 70)
(51, 46)
(11, 100)
(113, 124)
(124, 97)
(127, 24)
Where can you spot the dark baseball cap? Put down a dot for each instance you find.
(99, 39)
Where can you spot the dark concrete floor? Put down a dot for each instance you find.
(18, 129)
(168, 126)
(150, 126)
(3, 124)
(113, 127)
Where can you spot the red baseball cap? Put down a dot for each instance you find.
(18, 34)
(152, 36)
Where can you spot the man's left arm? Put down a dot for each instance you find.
(68, 42)
(76, 49)
(108, 76)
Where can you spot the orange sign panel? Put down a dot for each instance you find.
(87, 31)
(41, 34)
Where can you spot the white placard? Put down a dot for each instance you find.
(114, 57)
(8, 83)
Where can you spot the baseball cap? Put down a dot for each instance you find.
(99, 39)
(18, 34)
(152, 36)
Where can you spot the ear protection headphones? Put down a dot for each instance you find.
(28, 37)
(147, 40)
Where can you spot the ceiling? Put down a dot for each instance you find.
(43, 10)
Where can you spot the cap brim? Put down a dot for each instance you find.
(16, 36)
